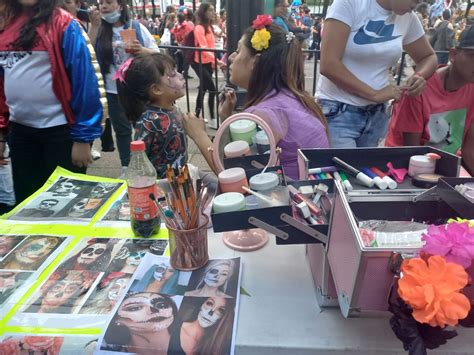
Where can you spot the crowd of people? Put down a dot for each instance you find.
(46, 51)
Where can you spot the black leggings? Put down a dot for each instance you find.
(206, 83)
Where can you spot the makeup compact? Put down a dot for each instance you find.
(243, 130)
(232, 180)
(229, 202)
(237, 149)
(425, 181)
(422, 164)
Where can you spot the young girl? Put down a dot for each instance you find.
(50, 103)
(148, 86)
(105, 33)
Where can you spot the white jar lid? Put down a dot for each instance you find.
(236, 149)
(422, 160)
(265, 181)
(229, 202)
(232, 175)
(261, 138)
(243, 126)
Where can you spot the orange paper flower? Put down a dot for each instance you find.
(432, 290)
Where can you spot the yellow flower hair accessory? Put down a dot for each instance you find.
(261, 39)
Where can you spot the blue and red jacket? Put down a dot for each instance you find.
(77, 82)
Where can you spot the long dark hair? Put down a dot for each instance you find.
(280, 66)
(145, 70)
(40, 13)
(104, 39)
(202, 18)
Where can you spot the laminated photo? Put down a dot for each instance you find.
(32, 344)
(118, 214)
(8, 243)
(10, 281)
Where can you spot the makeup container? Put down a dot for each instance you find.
(243, 130)
(426, 181)
(251, 202)
(268, 184)
(262, 142)
(232, 180)
(421, 164)
(229, 202)
(237, 149)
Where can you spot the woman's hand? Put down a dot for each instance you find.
(227, 103)
(94, 16)
(415, 84)
(81, 154)
(390, 92)
(194, 126)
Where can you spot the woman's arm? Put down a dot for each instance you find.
(426, 63)
(333, 46)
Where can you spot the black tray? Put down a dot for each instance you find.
(458, 202)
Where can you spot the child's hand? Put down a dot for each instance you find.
(81, 154)
(94, 16)
(193, 126)
(415, 84)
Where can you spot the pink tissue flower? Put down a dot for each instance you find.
(454, 241)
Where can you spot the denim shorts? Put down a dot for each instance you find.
(355, 126)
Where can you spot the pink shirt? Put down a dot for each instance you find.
(442, 117)
(204, 40)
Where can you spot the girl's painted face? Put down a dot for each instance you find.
(173, 84)
(35, 249)
(146, 312)
(116, 288)
(109, 6)
(217, 275)
(91, 253)
(241, 65)
(60, 292)
(211, 311)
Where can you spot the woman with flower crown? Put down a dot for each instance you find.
(269, 64)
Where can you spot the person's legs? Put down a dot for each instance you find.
(106, 139)
(122, 128)
(345, 127)
(200, 96)
(210, 87)
(375, 129)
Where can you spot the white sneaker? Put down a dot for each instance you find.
(95, 154)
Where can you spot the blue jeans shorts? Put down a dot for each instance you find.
(355, 126)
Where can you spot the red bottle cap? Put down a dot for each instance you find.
(137, 146)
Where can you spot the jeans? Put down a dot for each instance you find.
(35, 153)
(206, 83)
(122, 128)
(353, 126)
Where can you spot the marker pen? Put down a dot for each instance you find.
(364, 179)
(328, 176)
(324, 169)
(311, 177)
(381, 184)
(345, 182)
(390, 182)
(322, 176)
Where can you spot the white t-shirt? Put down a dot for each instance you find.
(374, 45)
(120, 56)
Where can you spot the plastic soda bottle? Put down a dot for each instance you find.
(141, 180)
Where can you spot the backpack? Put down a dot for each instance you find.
(188, 41)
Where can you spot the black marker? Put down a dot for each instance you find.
(364, 179)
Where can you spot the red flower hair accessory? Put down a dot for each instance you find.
(261, 21)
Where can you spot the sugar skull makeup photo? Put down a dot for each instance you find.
(42, 207)
(103, 190)
(8, 243)
(31, 253)
(62, 292)
(65, 187)
(200, 319)
(10, 281)
(214, 280)
(84, 207)
(94, 255)
(142, 324)
(106, 294)
(130, 255)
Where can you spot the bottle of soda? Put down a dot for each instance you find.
(141, 180)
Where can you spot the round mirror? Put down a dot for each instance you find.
(244, 137)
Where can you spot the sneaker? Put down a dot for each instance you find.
(123, 172)
(95, 154)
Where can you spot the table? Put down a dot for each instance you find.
(282, 315)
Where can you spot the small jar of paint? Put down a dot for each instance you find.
(421, 164)
(262, 142)
(228, 202)
(232, 180)
(236, 149)
(243, 130)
